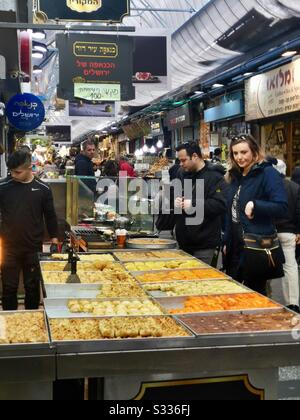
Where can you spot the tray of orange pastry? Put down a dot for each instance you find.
(216, 303)
(198, 274)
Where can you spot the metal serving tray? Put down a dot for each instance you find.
(27, 349)
(125, 344)
(169, 244)
(243, 338)
(141, 273)
(184, 256)
(159, 294)
(47, 257)
(178, 303)
(58, 308)
(72, 291)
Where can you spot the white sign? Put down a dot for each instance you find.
(97, 92)
(274, 93)
(2, 68)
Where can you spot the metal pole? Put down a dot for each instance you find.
(67, 27)
(153, 9)
(30, 11)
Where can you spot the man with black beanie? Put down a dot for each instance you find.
(25, 204)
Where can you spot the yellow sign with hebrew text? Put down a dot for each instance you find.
(84, 6)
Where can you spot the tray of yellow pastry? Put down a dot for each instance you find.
(78, 308)
(146, 266)
(118, 334)
(87, 277)
(94, 291)
(151, 243)
(161, 255)
(24, 333)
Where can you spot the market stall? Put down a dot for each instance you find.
(162, 325)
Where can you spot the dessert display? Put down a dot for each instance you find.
(224, 303)
(114, 308)
(280, 320)
(115, 328)
(55, 266)
(210, 287)
(163, 265)
(83, 266)
(88, 277)
(149, 241)
(188, 275)
(121, 290)
(89, 258)
(23, 328)
(152, 255)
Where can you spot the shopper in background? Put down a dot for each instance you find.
(25, 203)
(288, 229)
(217, 157)
(111, 169)
(296, 175)
(202, 240)
(175, 170)
(256, 197)
(84, 166)
(125, 167)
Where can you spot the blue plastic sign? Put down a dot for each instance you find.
(25, 112)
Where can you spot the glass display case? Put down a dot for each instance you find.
(118, 202)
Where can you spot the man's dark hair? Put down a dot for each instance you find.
(218, 151)
(19, 158)
(87, 143)
(191, 149)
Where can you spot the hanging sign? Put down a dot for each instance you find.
(86, 10)
(98, 60)
(97, 92)
(25, 112)
(276, 92)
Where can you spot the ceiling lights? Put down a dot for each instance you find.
(289, 54)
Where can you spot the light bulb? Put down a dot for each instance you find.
(145, 149)
(159, 144)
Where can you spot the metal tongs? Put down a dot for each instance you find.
(73, 259)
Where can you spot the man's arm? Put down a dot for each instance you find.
(50, 216)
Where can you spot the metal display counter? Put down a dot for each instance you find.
(27, 371)
(204, 366)
(176, 363)
(207, 366)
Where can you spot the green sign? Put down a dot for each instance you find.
(97, 92)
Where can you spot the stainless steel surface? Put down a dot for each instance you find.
(67, 291)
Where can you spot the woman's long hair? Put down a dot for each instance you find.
(256, 150)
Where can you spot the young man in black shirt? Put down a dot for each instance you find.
(25, 203)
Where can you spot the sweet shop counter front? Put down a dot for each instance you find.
(151, 325)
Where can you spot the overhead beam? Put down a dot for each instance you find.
(153, 9)
(67, 27)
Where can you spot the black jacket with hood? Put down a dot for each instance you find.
(84, 167)
(291, 222)
(206, 235)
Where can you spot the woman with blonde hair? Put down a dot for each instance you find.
(256, 197)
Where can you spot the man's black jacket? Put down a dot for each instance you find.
(208, 234)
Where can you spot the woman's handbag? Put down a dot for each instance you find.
(264, 257)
